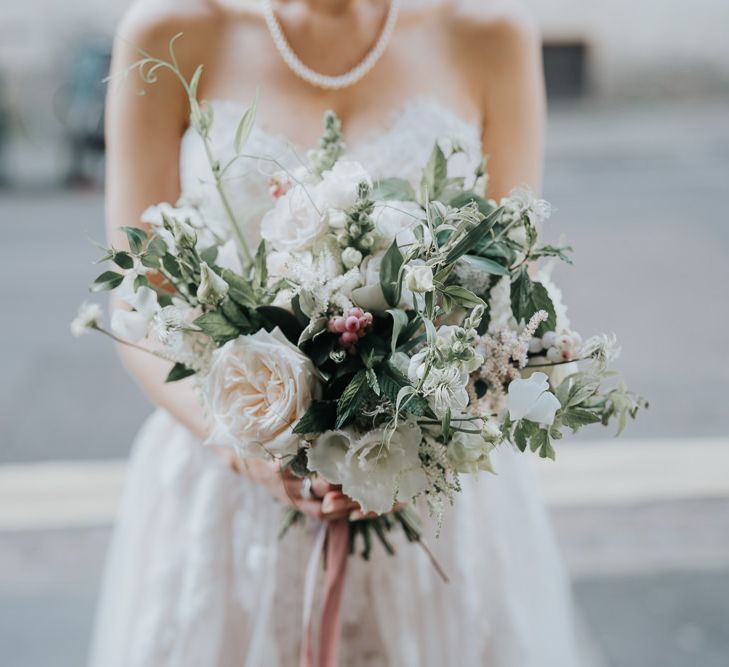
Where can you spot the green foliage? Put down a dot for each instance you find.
(245, 126)
(463, 297)
(390, 280)
(528, 297)
(397, 189)
(471, 239)
(351, 398)
(136, 238)
(284, 320)
(321, 416)
(486, 265)
(107, 281)
(179, 372)
(391, 381)
(217, 326)
(435, 174)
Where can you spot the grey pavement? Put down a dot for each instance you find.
(639, 192)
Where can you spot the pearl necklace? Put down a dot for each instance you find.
(323, 80)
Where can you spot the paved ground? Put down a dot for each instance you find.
(640, 193)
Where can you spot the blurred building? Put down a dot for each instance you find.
(52, 53)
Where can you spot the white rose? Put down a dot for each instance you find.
(339, 185)
(419, 278)
(257, 388)
(531, 399)
(397, 220)
(374, 471)
(294, 223)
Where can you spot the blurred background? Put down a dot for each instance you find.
(638, 171)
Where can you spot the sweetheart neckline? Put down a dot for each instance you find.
(376, 134)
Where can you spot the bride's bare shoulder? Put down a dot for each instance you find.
(150, 24)
(494, 30)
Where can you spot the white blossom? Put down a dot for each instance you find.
(90, 317)
(418, 278)
(375, 468)
(212, 288)
(531, 399)
(340, 185)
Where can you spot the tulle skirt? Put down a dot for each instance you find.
(197, 577)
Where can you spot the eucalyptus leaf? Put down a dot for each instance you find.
(471, 239)
(245, 126)
(486, 265)
(107, 281)
(435, 174)
(463, 297)
(393, 189)
(399, 323)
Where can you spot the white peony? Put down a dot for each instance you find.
(294, 223)
(531, 399)
(373, 470)
(339, 185)
(258, 387)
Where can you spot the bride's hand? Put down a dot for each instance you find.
(325, 502)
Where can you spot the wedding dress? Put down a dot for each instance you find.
(196, 576)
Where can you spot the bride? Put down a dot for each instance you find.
(196, 575)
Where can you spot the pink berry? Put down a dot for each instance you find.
(348, 338)
(357, 312)
(352, 323)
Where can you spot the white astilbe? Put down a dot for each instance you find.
(321, 284)
(472, 277)
(505, 352)
(442, 484)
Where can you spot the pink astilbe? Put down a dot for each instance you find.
(505, 353)
(351, 326)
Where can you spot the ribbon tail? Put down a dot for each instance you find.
(337, 555)
(306, 658)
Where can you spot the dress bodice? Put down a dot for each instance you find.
(399, 148)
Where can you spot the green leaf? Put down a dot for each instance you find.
(575, 418)
(471, 239)
(464, 198)
(260, 266)
(123, 260)
(136, 238)
(241, 291)
(393, 188)
(217, 326)
(351, 397)
(320, 417)
(435, 174)
(238, 316)
(209, 255)
(399, 323)
(284, 320)
(486, 265)
(391, 381)
(179, 372)
(528, 297)
(390, 274)
(107, 281)
(374, 385)
(463, 297)
(246, 125)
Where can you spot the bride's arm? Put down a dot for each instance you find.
(501, 49)
(143, 134)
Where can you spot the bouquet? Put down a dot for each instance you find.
(385, 335)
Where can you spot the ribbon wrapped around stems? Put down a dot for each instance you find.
(332, 541)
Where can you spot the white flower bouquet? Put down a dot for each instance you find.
(385, 335)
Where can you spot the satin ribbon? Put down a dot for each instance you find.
(333, 537)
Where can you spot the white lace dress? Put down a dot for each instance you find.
(197, 577)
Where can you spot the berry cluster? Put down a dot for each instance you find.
(557, 347)
(351, 326)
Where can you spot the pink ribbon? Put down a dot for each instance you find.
(333, 537)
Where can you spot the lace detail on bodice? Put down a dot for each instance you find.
(400, 148)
